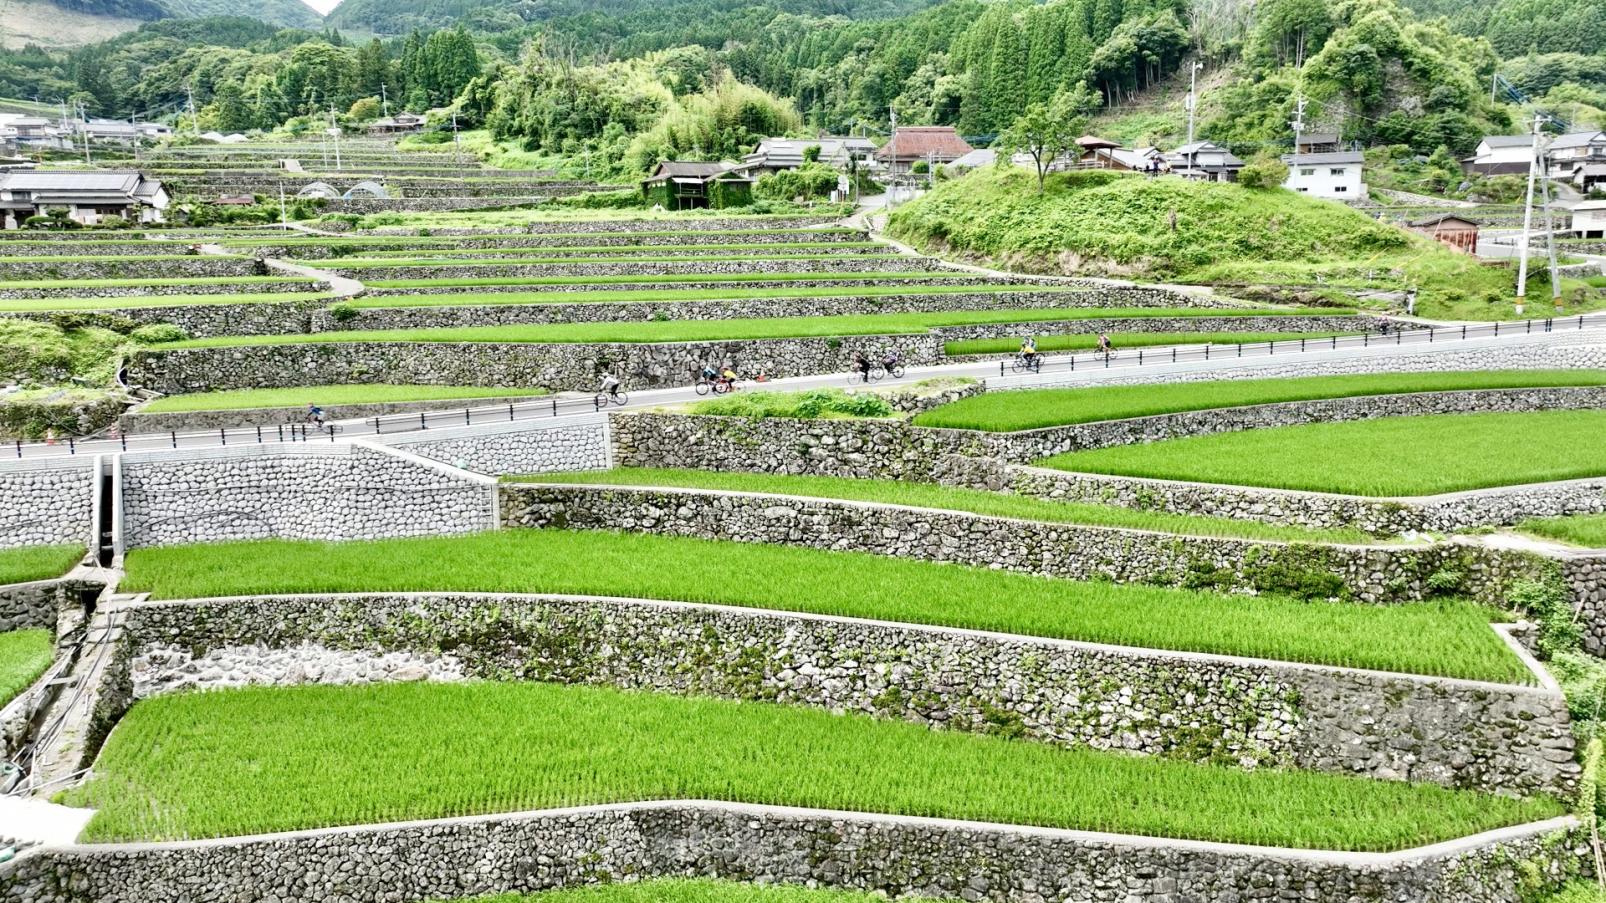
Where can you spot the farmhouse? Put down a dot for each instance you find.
(1571, 152)
(684, 185)
(86, 197)
(1457, 232)
(936, 144)
(1327, 175)
(1500, 155)
(1204, 161)
(1589, 219)
(1317, 143)
(400, 124)
(776, 154)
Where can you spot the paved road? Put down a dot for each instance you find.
(1057, 369)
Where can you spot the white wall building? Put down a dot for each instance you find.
(86, 197)
(1338, 176)
(1589, 219)
(1499, 155)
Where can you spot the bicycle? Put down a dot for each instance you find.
(718, 385)
(1022, 363)
(619, 398)
(889, 367)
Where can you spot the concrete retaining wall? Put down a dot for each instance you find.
(333, 492)
(1373, 574)
(899, 856)
(1253, 713)
(137, 421)
(575, 443)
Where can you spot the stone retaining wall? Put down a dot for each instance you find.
(113, 247)
(497, 450)
(160, 289)
(1314, 323)
(333, 492)
(69, 415)
(1372, 574)
(1584, 350)
(111, 268)
(37, 604)
(534, 851)
(556, 367)
(626, 226)
(1586, 576)
(355, 247)
(650, 283)
(1492, 737)
(46, 502)
(626, 268)
(1449, 513)
(137, 421)
(202, 321)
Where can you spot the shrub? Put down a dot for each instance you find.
(810, 405)
(1264, 171)
(343, 313)
(156, 333)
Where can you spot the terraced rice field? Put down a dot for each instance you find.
(1586, 530)
(1448, 638)
(1394, 456)
(24, 655)
(1003, 412)
(260, 760)
(29, 563)
(931, 495)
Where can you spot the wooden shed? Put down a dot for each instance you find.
(1447, 228)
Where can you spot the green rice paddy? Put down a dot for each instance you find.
(1031, 409)
(272, 759)
(1587, 530)
(30, 563)
(24, 655)
(1450, 638)
(1393, 456)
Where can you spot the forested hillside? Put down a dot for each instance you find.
(623, 83)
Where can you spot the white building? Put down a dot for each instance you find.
(776, 154)
(1501, 155)
(1338, 176)
(87, 197)
(1589, 219)
(1571, 152)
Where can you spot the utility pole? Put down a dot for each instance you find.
(83, 119)
(195, 125)
(457, 144)
(892, 154)
(384, 100)
(284, 217)
(1193, 95)
(1299, 126)
(334, 132)
(1528, 215)
(1494, 83)
(1550, 235)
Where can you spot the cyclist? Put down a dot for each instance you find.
(1028, 351)
(729, 376)
(861, 365)
(709, 374)
(610, 384)
(889, 362)
(1104, 346)
(316, 416)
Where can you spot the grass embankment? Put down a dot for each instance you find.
(1451, 639)
(24, 655)
(326, 396)
(737, 293)
(689, 890)
(930, 495)
(1003, 412)
(808, 404)
(269, 759)
(130, 303)
(524, 239)
(641, 332)
(1172, 229)
(700, 278)
(547, 213)
(1393, 456)
(29, 563)
(1586, 530)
